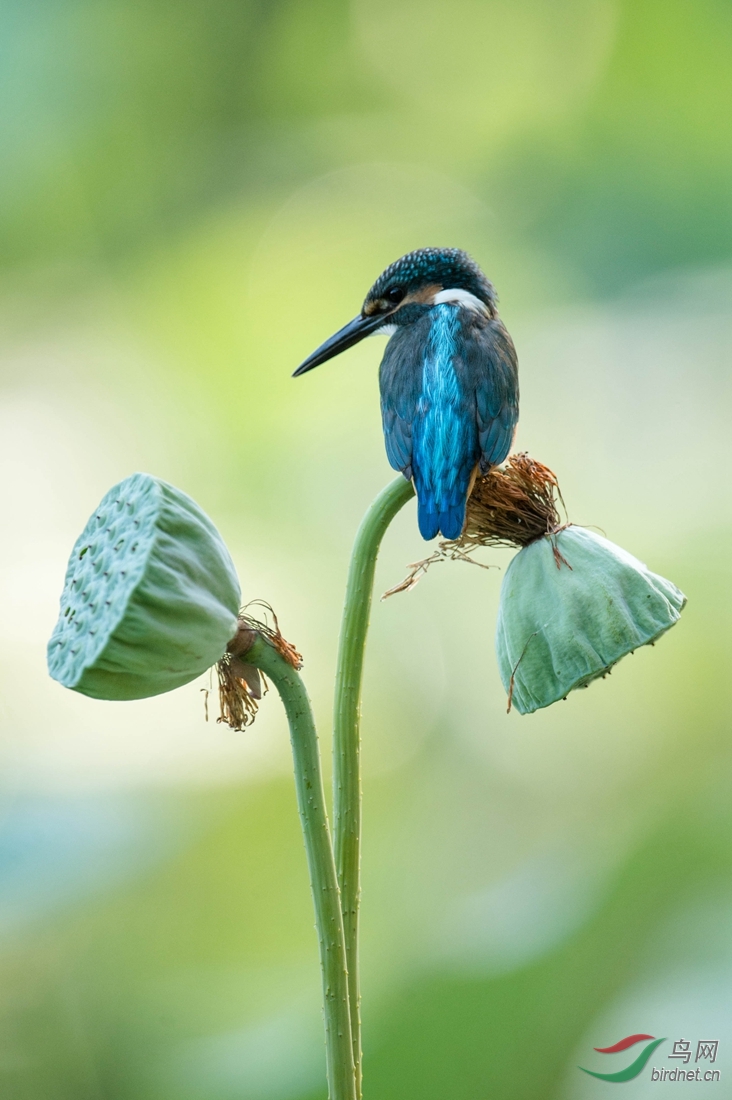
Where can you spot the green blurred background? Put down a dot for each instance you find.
(192, 196)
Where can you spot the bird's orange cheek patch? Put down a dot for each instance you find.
(423, 296)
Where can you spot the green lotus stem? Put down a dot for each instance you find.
(346, 729)
(323, 880)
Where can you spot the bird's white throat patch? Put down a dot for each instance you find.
(452, 296)
(460, 297)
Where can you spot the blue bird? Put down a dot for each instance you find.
(448, 379)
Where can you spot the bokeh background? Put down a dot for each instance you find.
(192, 196)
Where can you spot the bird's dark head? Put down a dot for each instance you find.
(405, 291)
(425, 277)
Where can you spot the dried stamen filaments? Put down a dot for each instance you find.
(241, 685)
(512, 506)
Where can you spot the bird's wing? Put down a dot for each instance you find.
(490, 359)
(400, 381)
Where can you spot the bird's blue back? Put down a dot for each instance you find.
(449, 400)
(444, 443)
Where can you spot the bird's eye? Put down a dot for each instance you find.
(395, 294)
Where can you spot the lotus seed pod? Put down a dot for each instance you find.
(572, 604)
(151, 595)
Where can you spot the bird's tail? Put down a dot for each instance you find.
(431, 522)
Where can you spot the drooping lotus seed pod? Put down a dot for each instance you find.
(572, 605)
(151, 596)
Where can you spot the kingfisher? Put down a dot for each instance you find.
(448, 378)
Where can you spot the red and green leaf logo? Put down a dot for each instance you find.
(635, 1067)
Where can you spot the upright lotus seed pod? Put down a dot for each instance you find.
(151, 600)
(572, 605)
(151, 596)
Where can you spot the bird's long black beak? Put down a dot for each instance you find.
(346, 337)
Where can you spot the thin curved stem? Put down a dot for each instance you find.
(323, 880)
(346, 730)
